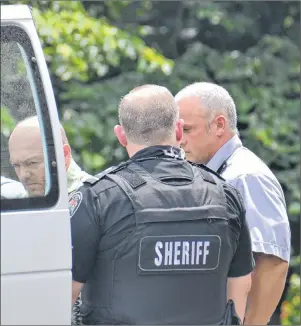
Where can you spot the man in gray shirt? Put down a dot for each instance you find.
(211, 137)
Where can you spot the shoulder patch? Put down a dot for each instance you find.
(74, 201)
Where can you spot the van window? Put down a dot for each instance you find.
(28, 164)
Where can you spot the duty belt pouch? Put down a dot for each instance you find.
(231, 317)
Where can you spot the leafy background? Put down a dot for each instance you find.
(98, 51)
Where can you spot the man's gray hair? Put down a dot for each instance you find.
(148, 115)
(214, 98)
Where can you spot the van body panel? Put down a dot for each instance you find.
(36, 260)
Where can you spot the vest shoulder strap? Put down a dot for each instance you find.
(208, 173)
(123, 170)
(134, 179)
(129, 181)
(93, 180)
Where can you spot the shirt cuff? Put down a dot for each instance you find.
(271, 249)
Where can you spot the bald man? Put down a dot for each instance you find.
(156, 238)
(27, 158)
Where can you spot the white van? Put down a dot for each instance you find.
(36, 281)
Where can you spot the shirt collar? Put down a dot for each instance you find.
(75, 176)
(160, 151)
(224, 153)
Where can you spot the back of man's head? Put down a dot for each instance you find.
(148, 115)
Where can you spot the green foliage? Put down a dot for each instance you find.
(7, 122)
(82, 47)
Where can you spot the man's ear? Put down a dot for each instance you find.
(120, 134)
(179, 129)
(220, 125)
(67, 155)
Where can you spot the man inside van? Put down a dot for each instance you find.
(26, 156)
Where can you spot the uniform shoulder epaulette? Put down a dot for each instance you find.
(93, 180)
(204, 167)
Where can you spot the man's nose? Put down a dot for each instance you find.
(24, 174)
(183, 141)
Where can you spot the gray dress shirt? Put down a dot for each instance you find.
(263, 197)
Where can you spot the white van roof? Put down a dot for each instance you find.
(9, 12)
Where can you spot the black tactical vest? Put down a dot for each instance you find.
(173, 267)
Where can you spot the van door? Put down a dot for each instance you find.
(36, 282)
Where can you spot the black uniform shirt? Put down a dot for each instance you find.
(103, 218)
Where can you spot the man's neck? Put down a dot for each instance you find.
(221, 143)
(132, 149)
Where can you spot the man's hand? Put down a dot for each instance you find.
(76, 288)
(268, 281)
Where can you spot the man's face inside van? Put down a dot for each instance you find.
(26, 156)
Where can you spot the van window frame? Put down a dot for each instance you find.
(15, 33)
